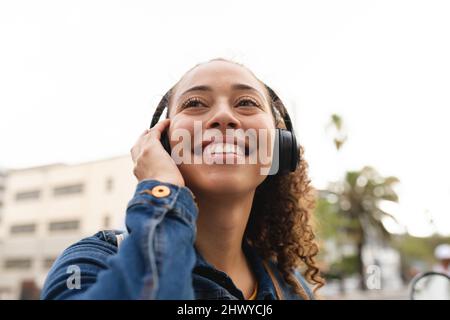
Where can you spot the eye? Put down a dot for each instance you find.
(192, 103)
(248, 102)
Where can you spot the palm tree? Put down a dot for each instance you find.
(359, 197)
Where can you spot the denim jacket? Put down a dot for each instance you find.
(157, 259)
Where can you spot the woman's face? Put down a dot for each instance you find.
(214, 97)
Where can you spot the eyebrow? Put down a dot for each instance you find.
(235, 86)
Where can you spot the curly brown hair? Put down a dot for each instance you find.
(280, 223)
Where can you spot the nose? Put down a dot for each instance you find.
(223, 118)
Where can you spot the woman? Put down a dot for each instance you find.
(199, 229)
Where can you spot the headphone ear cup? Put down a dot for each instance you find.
(284, 151)
(288, 151)
(295, 153)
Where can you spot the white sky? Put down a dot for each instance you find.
(79, 80)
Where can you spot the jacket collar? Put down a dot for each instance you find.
(266, 290)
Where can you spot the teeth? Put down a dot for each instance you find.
(217, 148)
(229, 148)
(224, 148)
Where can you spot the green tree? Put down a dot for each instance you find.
(359, 196)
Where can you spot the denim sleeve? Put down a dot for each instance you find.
(155, 261)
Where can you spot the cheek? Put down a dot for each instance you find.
(263, 122)
(181, 127)
(180, 123)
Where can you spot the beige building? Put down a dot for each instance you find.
(45, 209)
(2, 192)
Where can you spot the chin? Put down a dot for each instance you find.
(222, 180)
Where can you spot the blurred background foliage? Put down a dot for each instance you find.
(349, 214)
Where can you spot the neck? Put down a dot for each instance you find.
(220, 228)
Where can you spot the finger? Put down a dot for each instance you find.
(139, 141)
(141, 138)
(157, 130)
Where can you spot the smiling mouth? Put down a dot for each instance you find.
(222, 148)
(225, 149)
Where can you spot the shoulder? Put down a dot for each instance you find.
(103, 242)
(87, 256)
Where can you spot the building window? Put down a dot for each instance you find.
(18, 264)
(64, 225)
(23, 228)
(28, 195)
(109, 184)
(68, 189)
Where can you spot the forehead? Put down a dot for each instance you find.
(220, 75)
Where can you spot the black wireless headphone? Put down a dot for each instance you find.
(285, 140)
